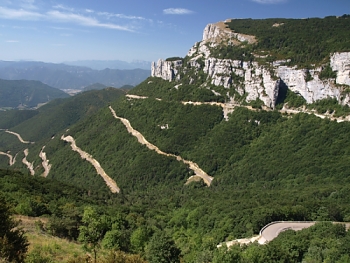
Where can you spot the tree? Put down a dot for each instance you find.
(13, 243)
(91, 232)
(139, 238)
(162, 249)
(227, 255)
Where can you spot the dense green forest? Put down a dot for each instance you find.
(304, 41)
(58, 114)
(254, 157)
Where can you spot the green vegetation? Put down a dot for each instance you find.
(91, 231)
(303, 41)
(11, 118)
(61, 113)
(174, 59)
(286, 96)
(126, 87)
(173, 91)
(254, 157)
(323, 242)
(13, 243)
(27, 93)
(331, 106)
(327, 73)
(95, 86)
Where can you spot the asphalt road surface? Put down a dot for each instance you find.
(272, 231)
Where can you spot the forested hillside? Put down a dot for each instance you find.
(281, 164)
(27, 94)
(254, 157)
(304, 41)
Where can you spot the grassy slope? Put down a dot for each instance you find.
(45, 245)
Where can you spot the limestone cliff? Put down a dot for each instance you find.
(257, 81)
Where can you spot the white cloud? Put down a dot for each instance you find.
(58, 16)
(83, 20)
(65, 8)
(110, 15)
(269, 1)
(89, 11)
(20, 14)
(177, 11)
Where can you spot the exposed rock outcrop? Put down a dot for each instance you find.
(256, 81)
(167, 70)
(340, 62)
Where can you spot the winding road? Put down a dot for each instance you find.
(45, 162)
(193, 166)
(84, 155)
(229, 107)
(27, 163)
(12, 159)
(18, 136)
(272, 230)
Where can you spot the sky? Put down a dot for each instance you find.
(129, 30)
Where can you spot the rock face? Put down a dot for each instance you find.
(257, 81)
(166, 70)
(340, 62)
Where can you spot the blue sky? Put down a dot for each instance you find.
(68, 30)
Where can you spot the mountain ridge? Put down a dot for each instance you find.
(63, 76)
(27, 93)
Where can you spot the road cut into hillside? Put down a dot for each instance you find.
(322, 116)
(229, 107)
(27, 163)
(12, 159)
(226, 107)
(18, 136)
(141, 139)
(45, 162)
(273, 229)
(84, 155)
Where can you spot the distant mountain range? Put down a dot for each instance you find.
(99, 86)
(64, 76)
(112, 64)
